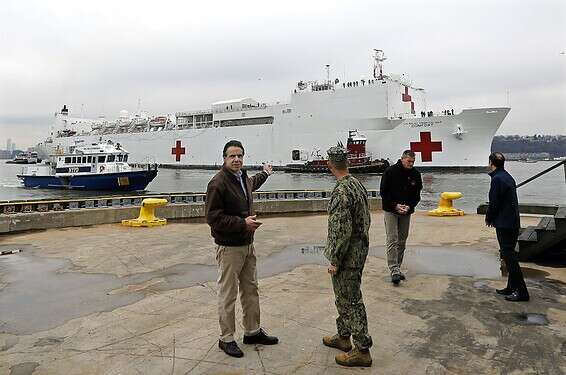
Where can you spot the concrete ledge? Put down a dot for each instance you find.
(20, 222)
(527, 208)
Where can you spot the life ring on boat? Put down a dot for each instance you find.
(102, 168)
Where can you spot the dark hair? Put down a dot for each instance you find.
(232, 143)
(408, 153)
(497, 159)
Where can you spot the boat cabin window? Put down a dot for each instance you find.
(296, 155)
(89, 159)
(120, 157)
(74, 160)
(68, 159)
(84, 159)
(101, 159)
(125, 158)
(110, 158)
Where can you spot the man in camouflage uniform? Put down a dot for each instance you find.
(346, 250)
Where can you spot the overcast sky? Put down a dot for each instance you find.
(102, 56)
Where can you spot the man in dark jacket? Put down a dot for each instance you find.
(503, 214)
(229, 212)
(400, 191)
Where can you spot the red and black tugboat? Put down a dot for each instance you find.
(359, 160)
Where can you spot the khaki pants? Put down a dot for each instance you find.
(396, 232)
(237, 267)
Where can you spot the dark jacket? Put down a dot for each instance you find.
(400, 186)
(503, 210)
(227, 207)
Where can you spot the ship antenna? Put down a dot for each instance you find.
(378, 59)
(327, 73)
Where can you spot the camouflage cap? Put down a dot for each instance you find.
(337, 154)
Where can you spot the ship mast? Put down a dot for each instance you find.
(378, 59)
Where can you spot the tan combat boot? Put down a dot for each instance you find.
(338, 342)
(354, 358)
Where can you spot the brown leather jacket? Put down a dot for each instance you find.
(227, 207)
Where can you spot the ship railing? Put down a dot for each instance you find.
(247, 109)
(135, 200)
(192, 113)
(361, 155)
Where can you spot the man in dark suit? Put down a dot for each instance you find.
(400, 191)
(503, 214)
(229, 212)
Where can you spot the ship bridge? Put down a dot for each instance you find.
(232, 112)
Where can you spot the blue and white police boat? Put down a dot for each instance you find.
(98, 166)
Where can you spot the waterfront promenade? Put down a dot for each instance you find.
(109, 299)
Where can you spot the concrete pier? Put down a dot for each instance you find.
(62, 213)
(108, 299)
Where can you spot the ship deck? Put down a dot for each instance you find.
(117, 300)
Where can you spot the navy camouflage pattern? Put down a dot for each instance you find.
(347, 248)
(348, 224)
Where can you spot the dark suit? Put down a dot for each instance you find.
(503, 214)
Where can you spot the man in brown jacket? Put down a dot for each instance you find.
(232, 224)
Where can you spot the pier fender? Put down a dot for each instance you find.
(147, 214)
(445, 206)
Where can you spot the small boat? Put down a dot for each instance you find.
(359, 161)
(28, 157)
(99, 166)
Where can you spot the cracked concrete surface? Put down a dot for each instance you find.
(432, 324)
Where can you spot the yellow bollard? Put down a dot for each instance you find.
(445, 207)
(147, 217)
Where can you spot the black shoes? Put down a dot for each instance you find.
(504, 291)
(396, 278)
(512, 295)
(231, 348)
(261, 338)
(516, 297)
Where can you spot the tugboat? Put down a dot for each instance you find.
(28, 157)
(99, 166)
(359, 161)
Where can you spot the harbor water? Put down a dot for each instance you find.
(550, 188)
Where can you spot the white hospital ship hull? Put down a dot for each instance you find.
(272, 143)
(388, 111)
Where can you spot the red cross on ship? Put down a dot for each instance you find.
(178, 151)
(426, 146)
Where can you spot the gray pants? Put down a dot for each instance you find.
(396, 232)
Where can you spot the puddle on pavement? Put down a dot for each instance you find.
(534, 274)
(452, 261)
(43, 293)
(529, 319)
(25, 368)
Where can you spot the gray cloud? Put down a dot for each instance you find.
(104, 55)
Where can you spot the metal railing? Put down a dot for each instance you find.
(47, 205)
(563, 162)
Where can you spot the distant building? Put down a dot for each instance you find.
(4, 154)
